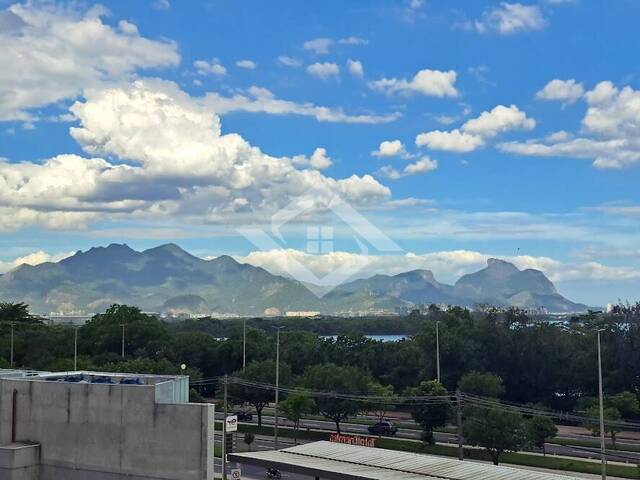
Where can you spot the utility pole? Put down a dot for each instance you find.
(603, 453)
(12, 325)
(459, 422)
(438, 350)
(224, 433)
(122, 325)
(75, 349)
(244, 344)
(275, 423)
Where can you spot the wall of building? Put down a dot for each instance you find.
(108, 432)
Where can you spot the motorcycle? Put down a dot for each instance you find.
(274, 474)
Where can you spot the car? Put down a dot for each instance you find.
(383, 428)
(244, 415)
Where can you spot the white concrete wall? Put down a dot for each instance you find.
(108, 431)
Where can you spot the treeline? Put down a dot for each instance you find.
(554, 365)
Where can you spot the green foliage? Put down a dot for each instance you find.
(482, 384)
(259, 372)
(496, 430)
(609, 414)
(297, 404)
(625, 402)
(14, 312)
(195, 397)
(332, 378)
(429, 415)
(540, 430)
(145, 336)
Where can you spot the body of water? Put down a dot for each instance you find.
(379, 338)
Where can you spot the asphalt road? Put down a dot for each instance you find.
(255, 473)
(551, 448)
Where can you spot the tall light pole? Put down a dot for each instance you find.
(122, 325)
(12, 325)
(275, 430)
(438, 351)
(603, 453)
(75, 349)
(244, 344)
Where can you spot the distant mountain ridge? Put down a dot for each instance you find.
(170, 280)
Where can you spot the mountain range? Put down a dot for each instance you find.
(168, 279)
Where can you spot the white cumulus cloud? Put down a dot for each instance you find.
(423, 165)
(609, 132)
(210, 67)
(511, 18)
(475, 132)
(247, 64)
(391, 148)
(50, 54)
(453, 141)
(563, 90)
(434, 83)
(324, 70)
(355, 68)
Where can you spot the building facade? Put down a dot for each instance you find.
(97, 426)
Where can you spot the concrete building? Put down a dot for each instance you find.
(97, 426)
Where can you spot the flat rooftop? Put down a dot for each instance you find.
(85, 376)
(336, 461)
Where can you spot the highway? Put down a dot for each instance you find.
(450, 438)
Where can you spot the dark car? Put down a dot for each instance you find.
(244, 415)
(383, 428)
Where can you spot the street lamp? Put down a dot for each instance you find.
(75, 348)
(275, 430)
(603, 453)
(122, 325)
(438, 351)
(244, 344)
(12, 325)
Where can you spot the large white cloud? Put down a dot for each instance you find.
(499, 119)
(51, 53)
(476, 131)
(434, 83)
(177, 163)
(447, 265)
(34, 258)
(610, 128)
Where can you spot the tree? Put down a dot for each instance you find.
(296, 405)
(257, 396)
(495, 430)
(610, 414)
(14, 312)
(540, 430)
(482, 384)
(145, 335)
(340, 380)
(429, 414)
(382, 407)
(248, 439)
(625, 402)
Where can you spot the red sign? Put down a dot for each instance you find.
(353, 440)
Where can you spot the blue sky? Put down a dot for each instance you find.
(511, 130)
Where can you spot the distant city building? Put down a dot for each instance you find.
(98, 426)
(271, 312)
(302, 314)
